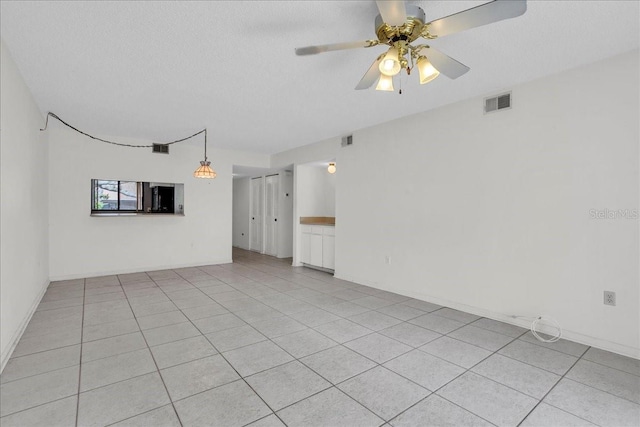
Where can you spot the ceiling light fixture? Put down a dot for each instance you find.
(390, 65)
(385, 83)
(332, 167)
(400, 25)
(205, 171)
(427, 70)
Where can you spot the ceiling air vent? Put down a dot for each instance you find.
(500, 102)
(347, 140)
(160, 148)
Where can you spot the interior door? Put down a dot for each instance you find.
(271, 215)
(257, 217)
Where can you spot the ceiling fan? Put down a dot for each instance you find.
(399, 25)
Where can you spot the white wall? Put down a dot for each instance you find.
(329, 193)
(83, 246)
(491, 213)
(24, 250)
(318, 151)
(285, 215)
(316, 191)
(241, 214)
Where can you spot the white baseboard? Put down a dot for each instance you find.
(506, 318)
(138, 270)
(6, 354)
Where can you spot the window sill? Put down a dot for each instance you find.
(110, 214)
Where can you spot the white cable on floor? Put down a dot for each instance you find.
(554, 323)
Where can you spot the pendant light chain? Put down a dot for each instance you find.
(205, 144)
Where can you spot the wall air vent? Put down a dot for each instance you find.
(160, 148)
(496, 103)
(347, 140)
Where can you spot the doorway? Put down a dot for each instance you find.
(263, 210)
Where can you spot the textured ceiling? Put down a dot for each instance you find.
(162, 70)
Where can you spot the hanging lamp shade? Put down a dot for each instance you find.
(205, 170)
(332, 167)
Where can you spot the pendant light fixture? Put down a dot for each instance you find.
(332, 167)
(205, 170)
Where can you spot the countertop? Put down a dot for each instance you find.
(318, 220)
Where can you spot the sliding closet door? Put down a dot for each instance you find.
(271, 215)
(257, 217)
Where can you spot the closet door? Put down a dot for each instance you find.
(257, 216)
(271, 215)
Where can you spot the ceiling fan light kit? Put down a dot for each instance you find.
(390, 64)
(385, 83)
(399, 25)
(427, 70)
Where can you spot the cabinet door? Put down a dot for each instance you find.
(305, 255)
(316, 250)
(329, 252)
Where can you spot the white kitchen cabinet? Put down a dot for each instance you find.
(305, 256)
(318, 246)
(316, 250)
(329, 252)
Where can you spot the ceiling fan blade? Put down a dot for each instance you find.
(313, 50)
(477, 16)
(371, 75)
(393, 12)
(445, 64)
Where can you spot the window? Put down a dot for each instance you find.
(114, 195)
(110, 196)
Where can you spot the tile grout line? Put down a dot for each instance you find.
(225, 359)
(496, 351)
(36, 406)
(240, 377)
(136, 415)
(596, 388)
(294, 359)
(38, 352)
(553, 387)
(461, 374)
(332, 385)
(376, 363)
(154, 361)
(269, 270)
(84, 292)
(605, 366)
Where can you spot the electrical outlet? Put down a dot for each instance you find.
(387, 259)
(609, 298)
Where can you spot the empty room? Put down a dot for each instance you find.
(320, 213)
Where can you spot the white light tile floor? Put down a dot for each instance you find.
(261, 343)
